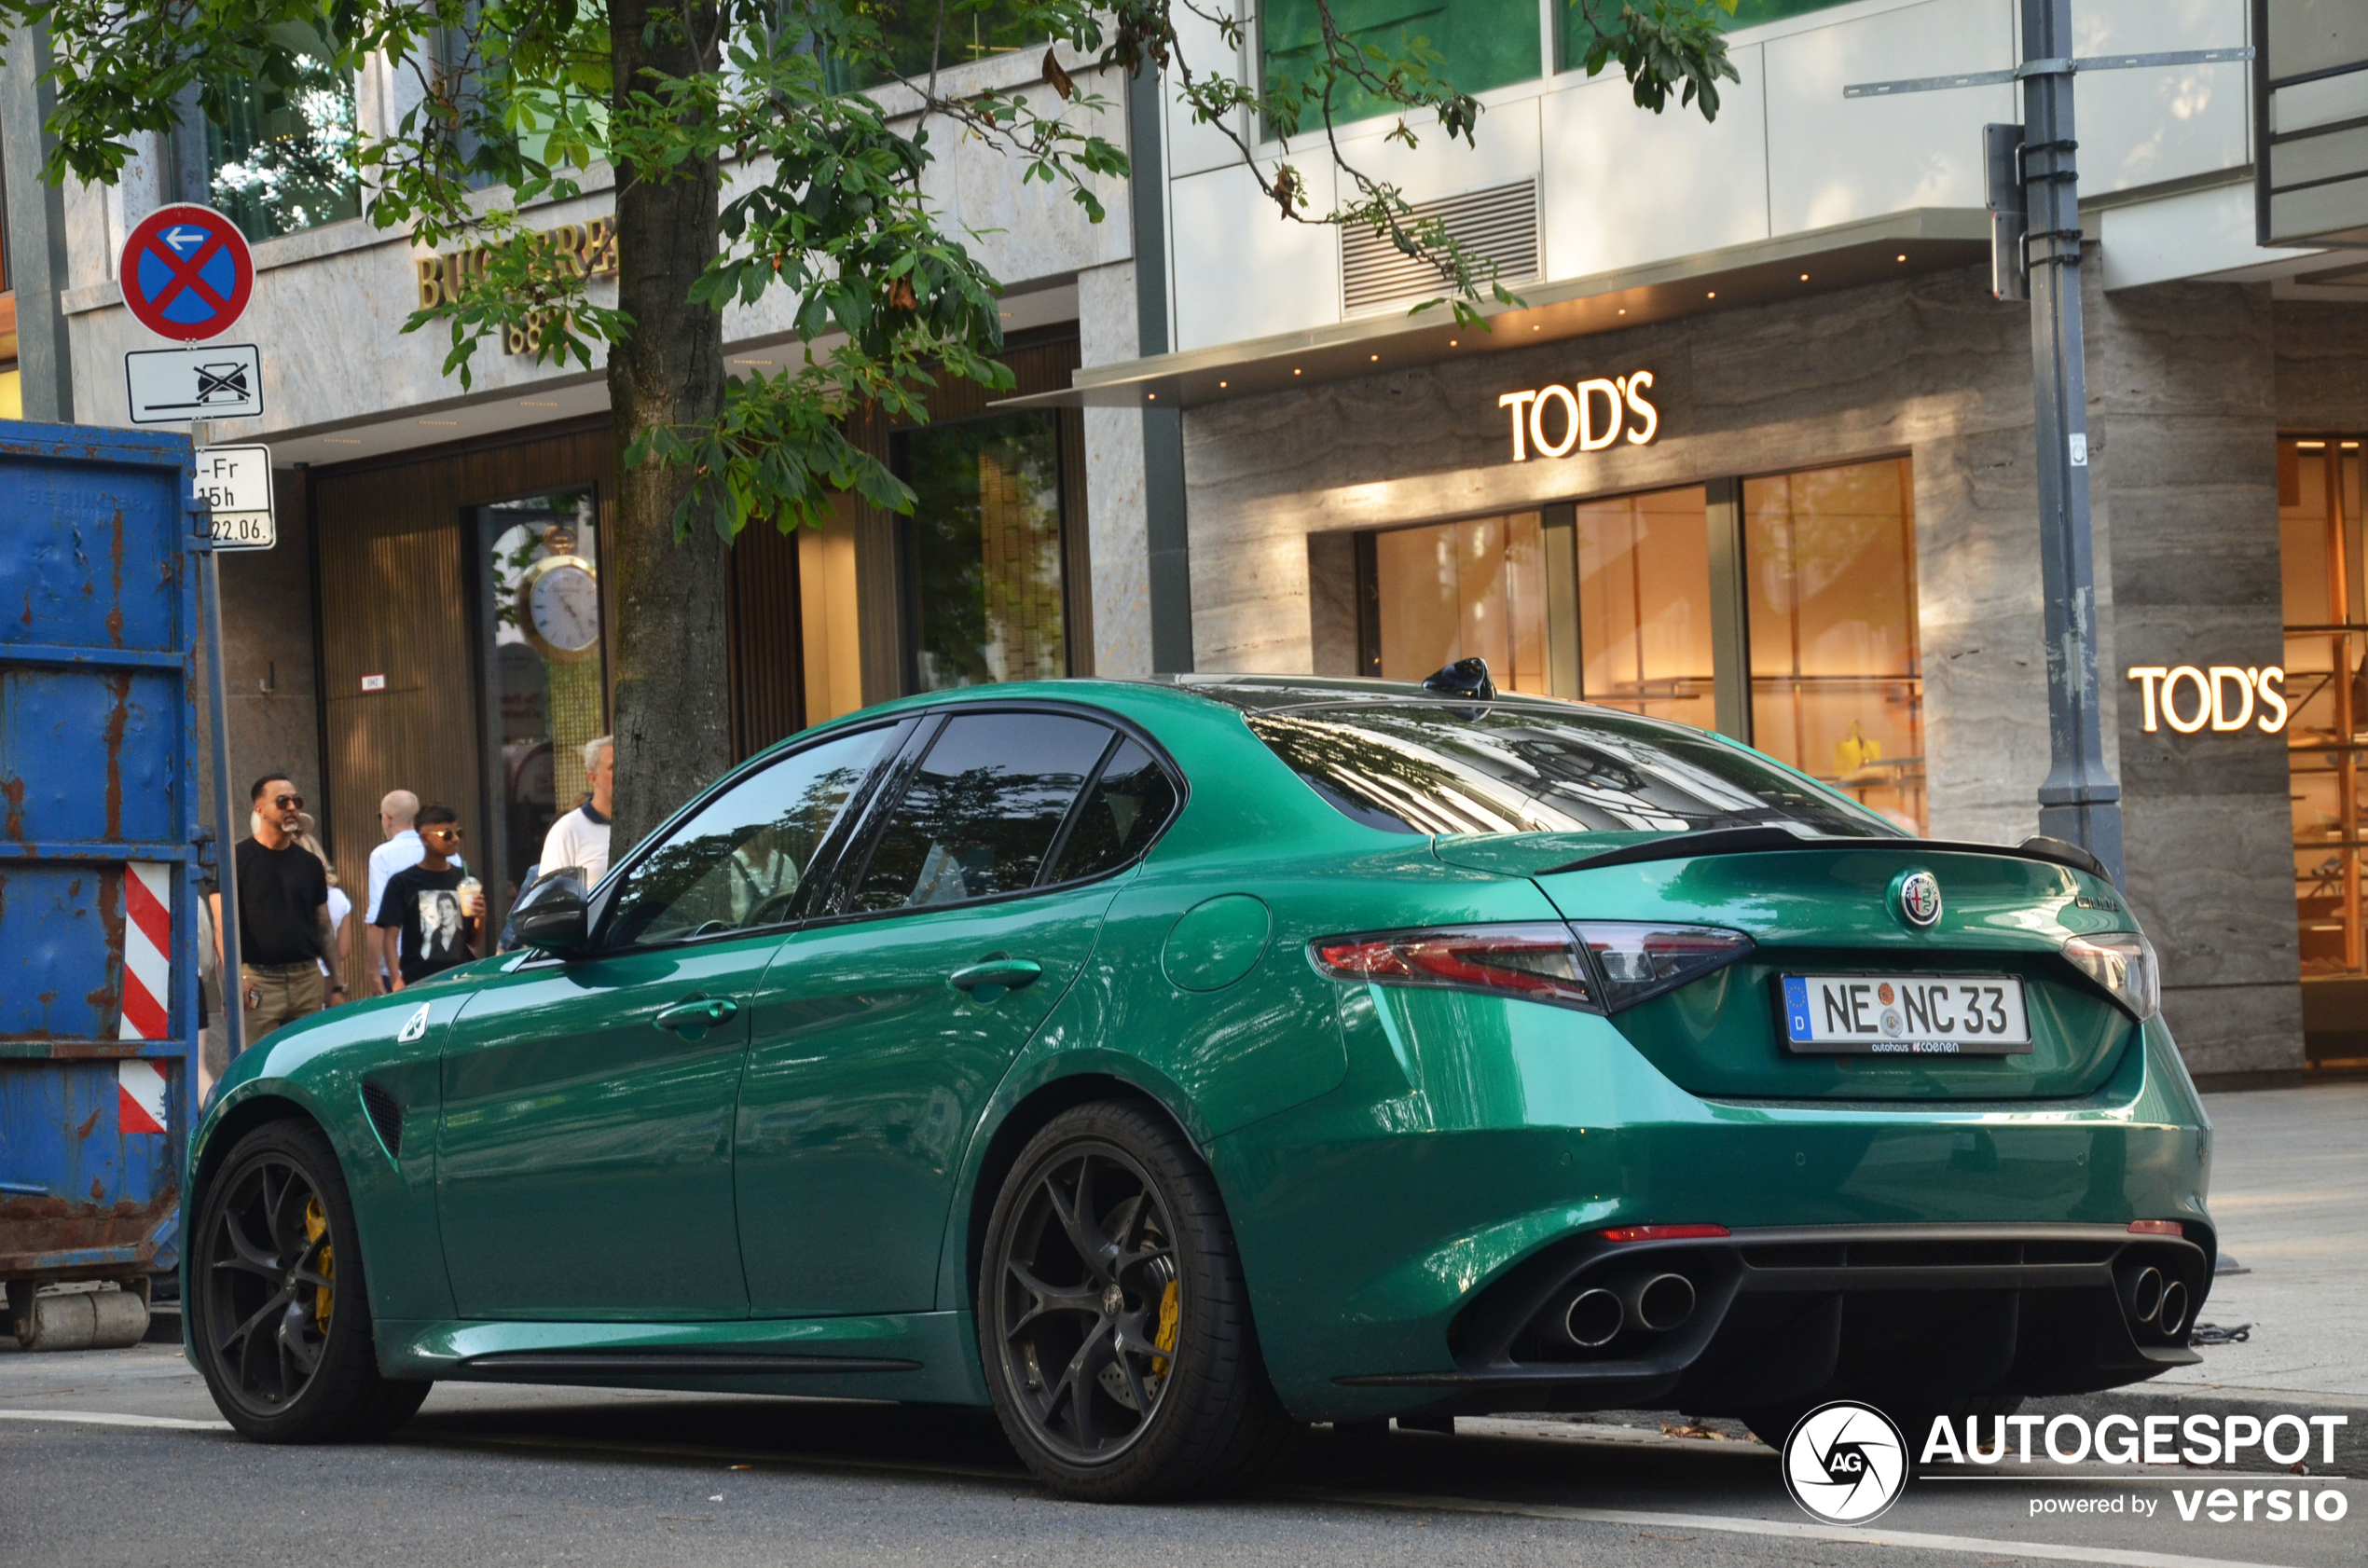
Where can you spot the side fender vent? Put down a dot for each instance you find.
(386, 1115)
(1499, 224)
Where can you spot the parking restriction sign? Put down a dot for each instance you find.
(186, 272)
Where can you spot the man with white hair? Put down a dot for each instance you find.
(581, 838)
(401, 851)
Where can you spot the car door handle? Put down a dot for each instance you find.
(1004, 974)
(693, 1018)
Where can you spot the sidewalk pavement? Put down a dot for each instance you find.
(2290, 1194)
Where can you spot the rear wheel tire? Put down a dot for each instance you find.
(1113, 1320)
(279, 1311)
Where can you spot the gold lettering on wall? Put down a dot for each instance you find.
(585, 249)
(1586, 416)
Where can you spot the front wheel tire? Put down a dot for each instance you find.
(279, 1312)
(1113, 1320)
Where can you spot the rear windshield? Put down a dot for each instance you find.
(1518, 768)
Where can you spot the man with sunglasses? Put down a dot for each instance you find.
(427, 921)
(283, 916)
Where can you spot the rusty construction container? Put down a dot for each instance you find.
(99, 871)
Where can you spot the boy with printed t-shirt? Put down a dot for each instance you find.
(426, 922)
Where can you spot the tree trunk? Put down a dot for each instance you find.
(673, 679)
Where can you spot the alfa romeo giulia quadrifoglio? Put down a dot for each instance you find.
(1172, 1064)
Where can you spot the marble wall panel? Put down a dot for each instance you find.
(1332, 586)
(2322, 366)
(1107, 320)
(2231, 1029)
(2182, 388)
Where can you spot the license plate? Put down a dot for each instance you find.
(1904, 1015)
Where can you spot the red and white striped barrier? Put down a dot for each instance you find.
(147, 987)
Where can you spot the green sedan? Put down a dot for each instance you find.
(1172, 1064)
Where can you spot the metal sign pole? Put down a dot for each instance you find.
(225, 856)
(2080, 800)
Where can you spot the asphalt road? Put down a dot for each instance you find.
(524, 1476)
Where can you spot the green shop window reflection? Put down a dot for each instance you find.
(282, 159)
(1578, 32)
(917, 34)
(983, 544)
(1482, 44)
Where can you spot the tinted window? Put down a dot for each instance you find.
(981, 810)
(1518, 768)
(1121, 813)
(739, 861)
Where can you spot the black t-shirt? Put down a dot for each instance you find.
(281, 892)
(425, 906)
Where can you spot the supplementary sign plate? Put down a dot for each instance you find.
(236, 481)
(173, 386)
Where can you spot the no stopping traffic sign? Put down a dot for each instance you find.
(186, 272)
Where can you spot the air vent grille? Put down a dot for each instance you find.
(1499, 224)
(386, 1115)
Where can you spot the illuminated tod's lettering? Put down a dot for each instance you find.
(2188, 697)
(1587, 416)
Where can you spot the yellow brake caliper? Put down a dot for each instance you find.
(315, 1224)
(1165, 1338)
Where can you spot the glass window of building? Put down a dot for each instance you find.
(280, 161)
(1645, 605)
(984, 550)
(917, 32)
(1483, 43)
(1455, 590)
(1577, 33)
(1836, 686)
(2318, 512)
(541, 577)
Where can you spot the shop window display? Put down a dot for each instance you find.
(1830, 557)
(2326, 687)
(1458, 590)
(542, 589)
(1645, 605)
(985, 550)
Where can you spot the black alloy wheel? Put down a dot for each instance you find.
(278, 1311)
(1113, 1316)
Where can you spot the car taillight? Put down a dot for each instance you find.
(2156, 1228)
(1662, 1233)
(1537, 961)
(1634, 962)
(2124, 963)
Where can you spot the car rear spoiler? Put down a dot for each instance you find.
(1752, 841)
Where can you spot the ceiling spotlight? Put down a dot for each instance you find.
(1451, 342)
(1623, 310)
(1221, 386)
(1804, 277)
(1903, 256)
(1153, 396)
(1294, 370)
(1713, 294)
(1375, 358)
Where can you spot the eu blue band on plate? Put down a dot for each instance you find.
(1797, 1007)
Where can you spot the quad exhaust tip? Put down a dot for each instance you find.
(2158, 1302)
(1655, 1303)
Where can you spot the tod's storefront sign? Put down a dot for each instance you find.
(1553, 421)
(2191, 697)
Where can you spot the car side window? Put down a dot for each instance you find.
(1123, 813)
(740, 859)
(981, 810)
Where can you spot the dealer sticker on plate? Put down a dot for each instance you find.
(1904, 1015)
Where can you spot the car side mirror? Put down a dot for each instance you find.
(551, 914)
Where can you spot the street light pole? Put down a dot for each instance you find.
(2080, 801)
